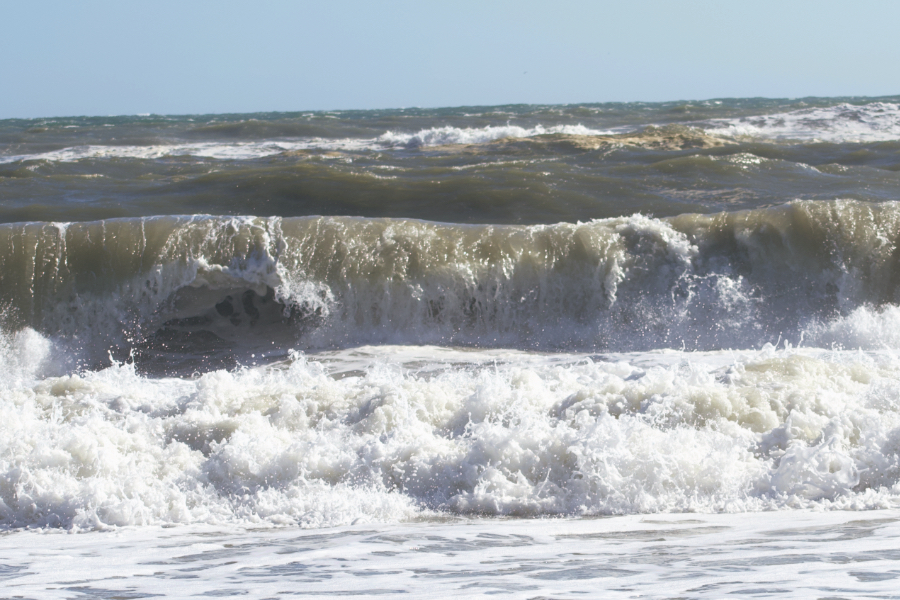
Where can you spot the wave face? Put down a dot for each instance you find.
(180, 284)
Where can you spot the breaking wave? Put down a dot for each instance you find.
(220, 288)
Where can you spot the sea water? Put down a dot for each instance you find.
(545, 351)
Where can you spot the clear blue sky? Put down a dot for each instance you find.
(102, 57)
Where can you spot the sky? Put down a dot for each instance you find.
(98, 57)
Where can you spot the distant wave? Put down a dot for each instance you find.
(875, 122)
(878, 121)
(216, 150)
(442, 136)
(259, 149)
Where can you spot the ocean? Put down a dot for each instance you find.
(599, 350)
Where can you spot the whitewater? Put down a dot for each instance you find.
(622, 350)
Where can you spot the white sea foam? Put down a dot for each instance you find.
(875, 122)
(387, 434)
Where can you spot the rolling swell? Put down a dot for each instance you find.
(213, 290)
